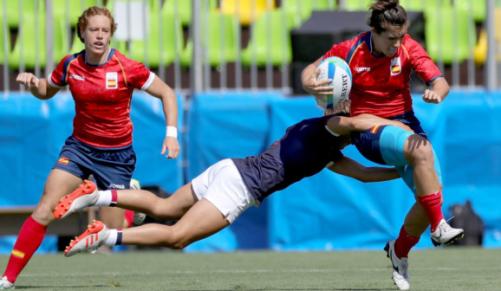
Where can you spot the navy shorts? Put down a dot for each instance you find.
(111, 168)
(367, 142)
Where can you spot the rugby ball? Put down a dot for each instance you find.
(338, 71)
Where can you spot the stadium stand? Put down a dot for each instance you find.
(246, 10)
(271, 30)
(219, 35)
(301, 10)
(71, 10)
(162, 41)
(450, 34)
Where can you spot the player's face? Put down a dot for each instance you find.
(97, 34)
(388, 41)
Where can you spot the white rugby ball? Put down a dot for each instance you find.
(338, 71)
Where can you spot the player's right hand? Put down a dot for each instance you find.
(28, 80)
(317, 87)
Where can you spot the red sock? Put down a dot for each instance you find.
(432, 204)
(129, 217)
(404, 243)
(28, 240)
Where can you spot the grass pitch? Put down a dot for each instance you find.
(439, 269)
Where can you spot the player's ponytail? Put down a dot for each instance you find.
(386, 12)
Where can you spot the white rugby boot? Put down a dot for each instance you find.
(446, 234)
(84, 196)
(5, 284)
(90, 240)
(400, 265)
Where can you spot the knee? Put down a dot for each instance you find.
(43, 213)
(421, 154)
(178, 240)
(160, 210)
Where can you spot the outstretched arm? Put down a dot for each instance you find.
(351, 168)
(38, 87)
(344, 125)
(161, 90)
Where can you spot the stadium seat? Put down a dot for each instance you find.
(421, 5)
(26, 48)
(301, 10)
(219, 33)
(357, 5)
(61, 40)
(449, 34)
(162, 41)
(72, 9)
(246, 10)
(480, 51)
(270, 40)
(4, 44)
(30, 46)
(183, 9)
(21, 9)
(477, 8)
(497, 32)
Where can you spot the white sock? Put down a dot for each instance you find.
(103, 198)
(111, 240)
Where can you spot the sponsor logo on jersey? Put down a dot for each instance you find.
(77, 77)
(362, 69)
(63, 161)
(111, 80)
(395, 66)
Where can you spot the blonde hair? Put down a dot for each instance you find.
(83, 20)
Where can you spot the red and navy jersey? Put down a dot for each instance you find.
(102, 95)
(306, 148)
(380, 84)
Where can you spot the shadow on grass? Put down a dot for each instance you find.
(63, 287)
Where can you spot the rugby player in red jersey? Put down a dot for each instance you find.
(101, 81)
(381, 61)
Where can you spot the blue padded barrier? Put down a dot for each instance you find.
(319, 213)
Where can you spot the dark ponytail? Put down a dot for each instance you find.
(386, 11)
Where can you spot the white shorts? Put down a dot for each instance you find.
(222, 185)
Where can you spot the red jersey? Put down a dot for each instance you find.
(102, 95)
(380, 85)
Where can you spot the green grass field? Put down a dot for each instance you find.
(439, 269)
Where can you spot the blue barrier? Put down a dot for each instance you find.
(323, 212)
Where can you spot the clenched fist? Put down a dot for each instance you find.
(28, 80)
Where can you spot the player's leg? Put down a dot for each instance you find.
(399, 147)
(34, 228)
(112, 169)
(202, 220)
(222, 197)
(172, 207)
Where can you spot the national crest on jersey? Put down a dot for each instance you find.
(102, 95)
(111, 80)
(381, 85)
(395, 66)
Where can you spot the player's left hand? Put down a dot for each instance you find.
(171, 145)
(431, 96)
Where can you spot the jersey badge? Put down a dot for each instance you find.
(111, 80)
(395, 66)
